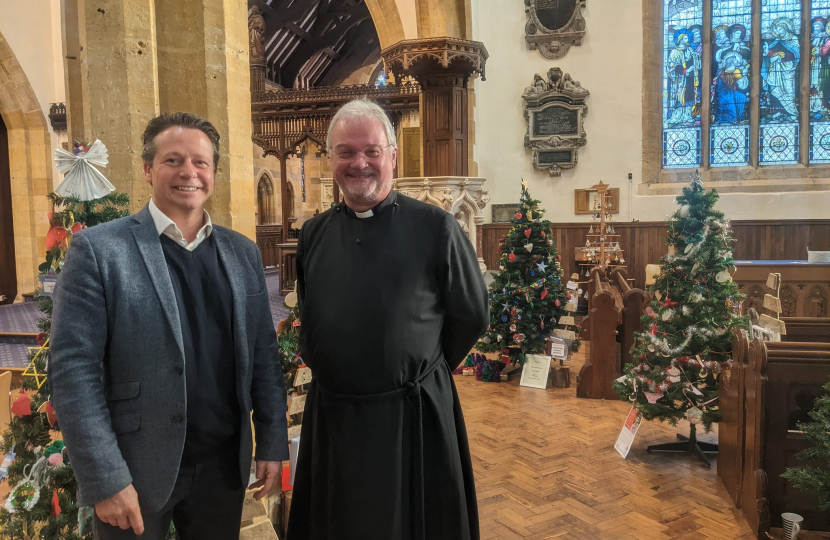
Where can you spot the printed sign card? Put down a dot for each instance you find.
(535, 371)
(558, 349)
(629, 431)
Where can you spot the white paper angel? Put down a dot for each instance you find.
(82, 179)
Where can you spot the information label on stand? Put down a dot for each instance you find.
(535, 371)
(629, 431)
(558, 349)
(567, 319)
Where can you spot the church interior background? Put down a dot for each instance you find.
(564, 95)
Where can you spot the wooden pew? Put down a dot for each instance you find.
(771, 387)
(597, 375)
(614, 312)
(807, 329)
(731, 427)
(634, 302)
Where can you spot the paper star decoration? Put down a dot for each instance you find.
(506, 306)
(542, 266)
(31, 369)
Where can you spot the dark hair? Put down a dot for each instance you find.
(181, 119)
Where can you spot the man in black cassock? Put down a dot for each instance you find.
(391, 301)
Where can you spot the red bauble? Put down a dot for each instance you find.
(512, 257)
(22, 406)
(558, 302)
(518, 215)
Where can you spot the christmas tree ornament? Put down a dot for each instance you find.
(512, 327)
(527, 233)
(652, 397)
(22, 406)
(544, 294)
(558, 302)
(695, 297)
(529, 247)
(56, 503)
(23, 497)
(542, 266)
(512, 256)
(668, 314)
(686, 310)
(518, 215)
(684, 211)
(82, 180)
(694, 415)
(723, 276)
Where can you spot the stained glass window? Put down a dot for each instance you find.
(731, 54)
(780, 81)
(820, 82)
(380, 80)
(682, 82)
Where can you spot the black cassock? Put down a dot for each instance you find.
(390, 303)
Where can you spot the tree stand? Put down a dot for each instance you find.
(690, 445)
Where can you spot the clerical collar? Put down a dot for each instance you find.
(389, 201)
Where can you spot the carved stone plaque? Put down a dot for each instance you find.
(555, 120)
(554, 25)
(554, 113)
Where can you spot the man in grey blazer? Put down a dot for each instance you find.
(162, 345)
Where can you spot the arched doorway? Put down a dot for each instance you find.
(30, 167)
(8, 272)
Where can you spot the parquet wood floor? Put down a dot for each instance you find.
(546, 468)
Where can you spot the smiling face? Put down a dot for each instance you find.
(364, 181)
(182, 172)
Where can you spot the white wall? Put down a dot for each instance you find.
(609, 65)
(33, 30)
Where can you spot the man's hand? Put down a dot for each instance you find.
(268, 473)
(121, 510)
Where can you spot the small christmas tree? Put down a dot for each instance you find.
(42, 502)
(815, 478)
(690, 323)
(527, 297)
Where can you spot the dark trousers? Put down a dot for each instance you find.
(206, 504)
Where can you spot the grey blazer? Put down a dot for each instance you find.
(116, 365)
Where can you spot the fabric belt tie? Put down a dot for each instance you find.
(412, 390)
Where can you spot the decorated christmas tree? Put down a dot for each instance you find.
(42, 501)
(689, 325)
(527, 297)
(815, 477)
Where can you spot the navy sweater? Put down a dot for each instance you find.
(205, 303)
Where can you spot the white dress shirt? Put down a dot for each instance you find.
(166, 226)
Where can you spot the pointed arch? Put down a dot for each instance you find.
(265, 199)
(29, 165)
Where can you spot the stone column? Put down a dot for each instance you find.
(112, 83)
(204, 69)
(145, 57)
(443, 67)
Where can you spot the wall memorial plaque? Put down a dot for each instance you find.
(555, 120)
(554, 25)
(555, 110)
